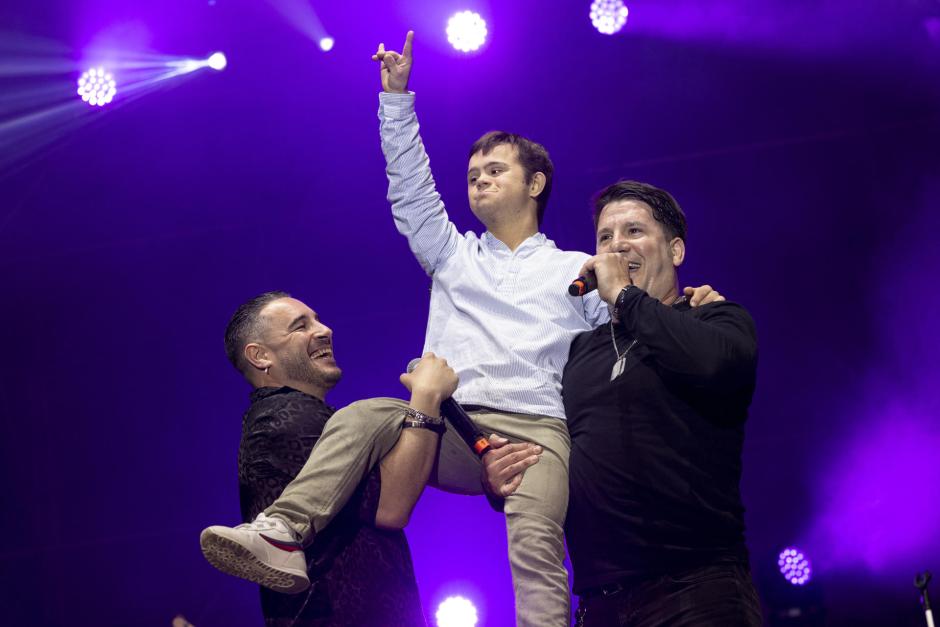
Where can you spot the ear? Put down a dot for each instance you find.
(537, 184)
(677, 246)
(257, 356)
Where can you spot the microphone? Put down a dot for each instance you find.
(583, 284)
(460, 421)
(920, 582)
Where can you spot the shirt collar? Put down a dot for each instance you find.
(265, 392)
(530, 245)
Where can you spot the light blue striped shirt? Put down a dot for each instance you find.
(503, 319)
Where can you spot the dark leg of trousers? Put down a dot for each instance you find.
(712, 596)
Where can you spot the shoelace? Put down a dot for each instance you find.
(262, 522)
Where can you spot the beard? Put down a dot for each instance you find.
(302, 368)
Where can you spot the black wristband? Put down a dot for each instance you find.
(621, 297)
(436, 427)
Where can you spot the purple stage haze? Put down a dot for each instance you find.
(801, 138)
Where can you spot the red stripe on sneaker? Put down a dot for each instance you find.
(284, 546)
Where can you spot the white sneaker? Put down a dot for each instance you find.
(265, 551)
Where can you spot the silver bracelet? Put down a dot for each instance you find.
(414, 419)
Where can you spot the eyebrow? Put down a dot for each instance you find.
(631, 223)
(296, 320)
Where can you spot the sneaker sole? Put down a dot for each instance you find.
(233, 559)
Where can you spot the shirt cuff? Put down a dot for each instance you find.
(396, 106)
(628, 298)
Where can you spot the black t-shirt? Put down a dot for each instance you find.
(360, 575)
(656, 453)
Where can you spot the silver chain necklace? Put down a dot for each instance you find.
(619, 365)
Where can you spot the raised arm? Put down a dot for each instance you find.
(416, 206)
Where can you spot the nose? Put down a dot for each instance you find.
(620, 245)
(323, 332)
(482, 183)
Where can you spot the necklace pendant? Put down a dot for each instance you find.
(617, 370)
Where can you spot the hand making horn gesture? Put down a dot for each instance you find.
(396, 68)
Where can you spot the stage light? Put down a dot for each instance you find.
(608, 16)
(217, 61)
(326, 44)
(466, 31)
(97, 87)
(456, 612)
(794, 566)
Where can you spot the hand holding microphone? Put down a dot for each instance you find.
(430, 377)
(608, 273)
(450, 409)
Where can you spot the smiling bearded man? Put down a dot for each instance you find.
(360, 563)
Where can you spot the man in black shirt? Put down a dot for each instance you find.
(359, 564)
(656, 404)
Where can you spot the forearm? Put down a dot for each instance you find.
(717, 349)
(416, 205)
(406, 468)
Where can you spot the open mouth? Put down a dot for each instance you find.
(323, 353)
(633, 266)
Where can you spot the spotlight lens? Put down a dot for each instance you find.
(456, 612)
(608, 16)
(794, 566)
(326, 44)
(466, 31)
(97, 87)
(217, 61)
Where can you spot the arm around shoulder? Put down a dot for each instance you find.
(713, 345)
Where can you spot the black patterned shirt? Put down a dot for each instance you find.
(361, 575)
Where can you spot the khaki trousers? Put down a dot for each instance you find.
(358, 436)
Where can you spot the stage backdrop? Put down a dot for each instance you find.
(802, 142)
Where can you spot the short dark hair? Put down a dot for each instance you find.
(666, 210)
(532, 156)
(243, 327)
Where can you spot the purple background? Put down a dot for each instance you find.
(800, 137)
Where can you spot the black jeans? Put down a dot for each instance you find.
(721, 595)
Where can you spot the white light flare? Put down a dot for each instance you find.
(97, 87)
(466, 31)
(217, 61)
(327, 43)
(609, 16)
(456, 612)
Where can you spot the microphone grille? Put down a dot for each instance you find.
(413, 364)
